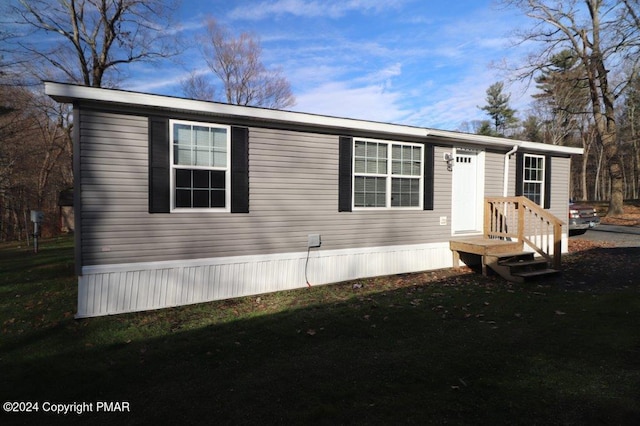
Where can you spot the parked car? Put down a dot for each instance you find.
(581, 218)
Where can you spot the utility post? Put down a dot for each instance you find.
(36, 217)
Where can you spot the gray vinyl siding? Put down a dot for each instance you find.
(442, 199)
(560, 178)
(560, 169)
(293, 193)
(494, 174)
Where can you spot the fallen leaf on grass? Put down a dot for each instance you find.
(311, 332)
(560, 313)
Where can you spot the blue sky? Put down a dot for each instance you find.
(417, 62)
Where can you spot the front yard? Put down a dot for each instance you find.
(435, 347)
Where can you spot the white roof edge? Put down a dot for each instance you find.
(480, 139)
(65, 92)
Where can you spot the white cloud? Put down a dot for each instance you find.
(448, 106)
(337, 99)
(383, 75)
(308, 9)
(150, 80)
(431, 70)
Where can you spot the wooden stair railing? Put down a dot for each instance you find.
(519, 218)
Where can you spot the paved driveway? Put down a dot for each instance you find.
(621, 236)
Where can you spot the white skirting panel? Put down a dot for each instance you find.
(115, 289)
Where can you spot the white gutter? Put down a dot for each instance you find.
(507, 156)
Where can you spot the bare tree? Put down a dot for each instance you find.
(88, 41)
(35, 158)
(604, 37)
(630, 136)
(237, 63)
(197, 86)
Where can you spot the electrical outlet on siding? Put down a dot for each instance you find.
(443, 220)
(314, 240)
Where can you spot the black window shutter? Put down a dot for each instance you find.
(519, 174)
(429, 158)
(159, 186)
(345, 173)
(547, 182)
(239, 170)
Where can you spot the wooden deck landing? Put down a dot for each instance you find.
(481, 247)
(509, 224)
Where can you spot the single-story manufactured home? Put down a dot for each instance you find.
(180, 201)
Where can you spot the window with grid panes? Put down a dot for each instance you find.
(200, 165)
(387, 174)
(533, 179)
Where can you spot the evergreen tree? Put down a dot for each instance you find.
(486, 129)
(498, 108)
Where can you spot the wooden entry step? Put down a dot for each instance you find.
(504, 257)
(519, 267)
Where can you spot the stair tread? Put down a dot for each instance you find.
(513, 254)
(537, 273)
(528, 262)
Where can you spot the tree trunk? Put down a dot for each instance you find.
(596, 184)
(635, 181)
(636, 170)
(616, 204)
(26, 227)
(612, 157)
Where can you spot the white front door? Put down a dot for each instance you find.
(468, 192)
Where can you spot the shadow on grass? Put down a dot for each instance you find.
(462, 349)
(54, 256)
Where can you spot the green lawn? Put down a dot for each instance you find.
(428, 348)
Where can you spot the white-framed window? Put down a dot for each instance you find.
(533, 178)
(200, 166)
(387, 174)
